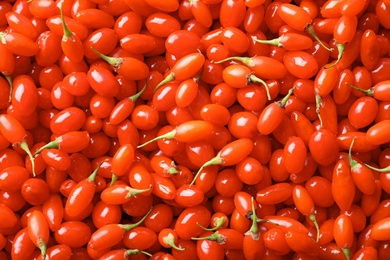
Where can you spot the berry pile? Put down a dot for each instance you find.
(194, 129)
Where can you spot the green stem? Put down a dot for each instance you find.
(213, 237)
(2, 39)
(132, 192)
(347, 253)
(386, 169)
(219, 222)
(92, 177)
(313, 218)
(252, 78)
(169, 78)
(170, 135)
(137, 95)
(67, 33)
(368, 92)
(245, 60)
(274, 42)
(170, 240)
(353, 163)
(282, 103)
(43, 247)
(173, 170)
(53, 144)
(114, 177)
(217, 160)
(310, 30)
(318, 108)
(340, 48)
(130, 252)
(128, 227)
(25, 148)
(115, 62)
(254, 230)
